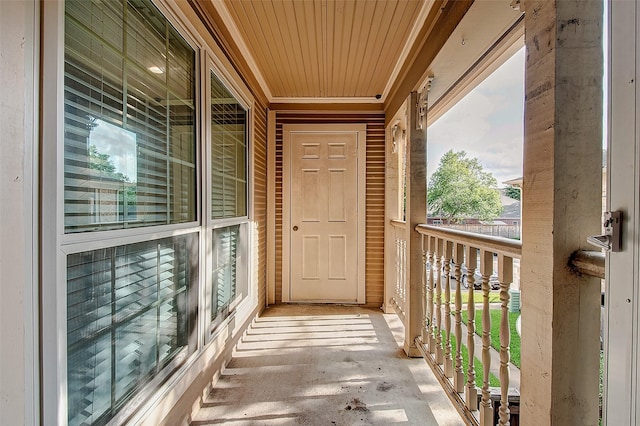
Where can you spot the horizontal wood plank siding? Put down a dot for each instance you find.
(260, 196)
(375, 177)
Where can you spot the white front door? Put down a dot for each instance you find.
(323, 201)
(622, 313)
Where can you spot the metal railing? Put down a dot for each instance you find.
(451, 258)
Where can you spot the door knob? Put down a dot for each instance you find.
(295, 228)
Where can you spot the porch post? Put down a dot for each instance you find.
(561, 207)
(416, 202)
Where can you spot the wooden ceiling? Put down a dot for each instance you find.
(344, 53)
(324, 48)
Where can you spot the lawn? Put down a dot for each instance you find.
(493, 380)
(494, 296)
(495, 314)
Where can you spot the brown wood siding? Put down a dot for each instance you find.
(260, 195)
(375, 168)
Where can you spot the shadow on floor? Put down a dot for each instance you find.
(325, 365)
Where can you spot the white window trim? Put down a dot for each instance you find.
(213, 64)
(56, 244)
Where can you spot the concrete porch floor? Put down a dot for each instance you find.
(325, 365)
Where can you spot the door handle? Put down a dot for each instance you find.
(611, 240)
(295, 228)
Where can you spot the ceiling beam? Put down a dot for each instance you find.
(445, 15)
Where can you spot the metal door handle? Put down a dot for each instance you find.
(600, 241)
(612, 238)
(295, 228)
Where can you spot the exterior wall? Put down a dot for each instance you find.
(18, 280)
(260, 197)
(375, 181)
(19, 234)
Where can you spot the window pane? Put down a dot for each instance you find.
(225, 270)
(228, 153)
(130, 310)
(129, 150)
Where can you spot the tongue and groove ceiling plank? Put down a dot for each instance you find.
(325, 48)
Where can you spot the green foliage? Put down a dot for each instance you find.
(460, 188)
(512, 192)
(494, 297)
(102, 163)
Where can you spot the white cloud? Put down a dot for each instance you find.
(119, 145)
(487, 123)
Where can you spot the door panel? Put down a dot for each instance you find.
(324, 205)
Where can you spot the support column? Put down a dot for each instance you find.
(561, 207)
(416, 202)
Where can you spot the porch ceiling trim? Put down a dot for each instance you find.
(341, 100)
(230, 23)
(413, 36)
(445, 17)
(505, 47)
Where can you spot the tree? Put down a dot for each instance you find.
(460, 188)
(512, 192)
(103, 163)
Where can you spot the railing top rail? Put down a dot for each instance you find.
(589, 262)
(499, 245)
(398, 223)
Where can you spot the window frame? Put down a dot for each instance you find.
(56, 245)
(90, 236)
(213, 65)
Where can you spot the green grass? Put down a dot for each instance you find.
(495, 315)
(493, 380)
(494, 296)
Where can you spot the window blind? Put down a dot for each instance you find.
(228, 153)
(129, 115)
(225, 270)
(130, 311)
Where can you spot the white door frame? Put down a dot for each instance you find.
(622, 300)
(361, 130)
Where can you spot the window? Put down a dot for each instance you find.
(228, 153)
(228, 201)
(225, 271)
(130, 312)
(127, 276)
(129, 147)
(129, 160)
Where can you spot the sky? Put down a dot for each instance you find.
(487, 124)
